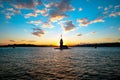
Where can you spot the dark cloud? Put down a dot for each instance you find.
(64, 6)
(94, 32)
(28, 4)
(58, 9)
(11, 40)
(68, 26)
(19, 4)
(79, 34)
(38, 32)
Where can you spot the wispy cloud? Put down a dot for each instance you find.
(31, 14)
(105, 8)
(86, 21)
(43, 12)
(119, 28)
(9, 12)
(83, 22)
(36, 23)
(111, 11)
(94, 32)
(114, 14)
(117, 6)
(52, 4)
(13, 10)
(80, 9)
(11, 40)
(43, 24)
(100, 7)
(28, 41)
(8, 16)
(38, 32)
(91, 33)
(47, 25)
(98, 20)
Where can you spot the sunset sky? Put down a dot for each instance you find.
(42, 22)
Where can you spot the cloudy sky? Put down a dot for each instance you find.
(43, 21)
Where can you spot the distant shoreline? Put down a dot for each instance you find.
(117, 44)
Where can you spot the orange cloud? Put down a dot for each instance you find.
(86, 22)
(43, 12)
(56, 17)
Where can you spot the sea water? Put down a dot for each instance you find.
(47, 63)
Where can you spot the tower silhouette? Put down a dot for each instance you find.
(61, 43)
(61, 47)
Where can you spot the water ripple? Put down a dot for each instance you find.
(49, 64)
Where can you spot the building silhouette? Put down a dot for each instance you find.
(61, 44)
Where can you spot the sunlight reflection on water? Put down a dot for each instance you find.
(82, 63)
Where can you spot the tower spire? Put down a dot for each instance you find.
(61, 35)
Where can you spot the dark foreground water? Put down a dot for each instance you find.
(80, 63)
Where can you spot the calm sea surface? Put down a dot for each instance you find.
(78, 63)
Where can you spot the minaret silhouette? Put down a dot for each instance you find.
(61, 43)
